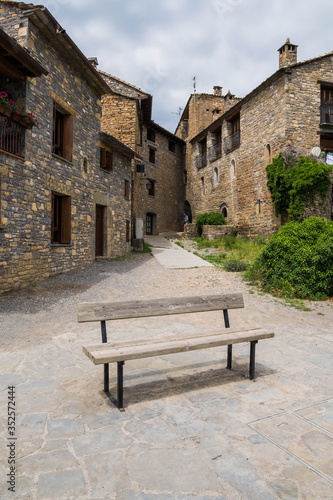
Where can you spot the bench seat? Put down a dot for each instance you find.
(135, 349)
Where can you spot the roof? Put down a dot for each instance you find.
(44, 20)
(118, 145)
(15, 62)
(275, 76)
(120, 87)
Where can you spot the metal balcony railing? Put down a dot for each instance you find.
(231, 141)
(12, 136)
(201, 160)
(326, 113)
(215, 151)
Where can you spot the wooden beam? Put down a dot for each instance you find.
(10, 71)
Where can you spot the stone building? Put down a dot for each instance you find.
(226, 159)
(65, 186)
(158, 170)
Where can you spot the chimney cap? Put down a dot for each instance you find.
(93, 61)
(217, 90)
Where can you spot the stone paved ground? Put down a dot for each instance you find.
(191, 428)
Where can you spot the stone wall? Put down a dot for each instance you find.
(167, 203)
(26, 252)
(213, 232)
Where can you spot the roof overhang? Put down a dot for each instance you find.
(114, 143)
(15, 62)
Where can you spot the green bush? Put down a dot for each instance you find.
(298, 260)
(235, 265)
(209, 219)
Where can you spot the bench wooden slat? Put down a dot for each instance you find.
(104, 311)
(107, 353)
(168, 337)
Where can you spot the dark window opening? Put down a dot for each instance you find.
(326, 108)
(151, 187)
(151, 135)
(152, 156)
(60, 219)
(172, 146)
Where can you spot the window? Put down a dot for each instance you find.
(151, 187)
(127, 230)
(215, 150)
(62, 138)
(0, 200)
(151, 135)
(258, 207)
(232, 169)
(152, 158)
(232, 141)
(172, 146)
(216, 176)
(127, 189)
(202, 185)
(60, 218)
(201, 159)
(326, 108)
(268, 155)
(106, 159)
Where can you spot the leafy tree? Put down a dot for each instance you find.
(296, 180)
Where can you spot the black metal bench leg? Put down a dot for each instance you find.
(229, 359)
(106, 377)
(252, 358)
(120, 387)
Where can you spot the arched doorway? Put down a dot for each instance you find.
(188, 211)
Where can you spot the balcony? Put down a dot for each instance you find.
(231, 142)
(201, 160)
(326, 114)
(12, 136)
(215, 151)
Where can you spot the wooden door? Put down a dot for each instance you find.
(99, 231)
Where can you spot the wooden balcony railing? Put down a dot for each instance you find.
(12, 136)
(231, 141)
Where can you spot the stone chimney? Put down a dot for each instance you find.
(287, 54)
(217, 90)
(93, 61)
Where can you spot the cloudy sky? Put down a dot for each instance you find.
(160, 45)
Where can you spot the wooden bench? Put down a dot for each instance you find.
(121, 351)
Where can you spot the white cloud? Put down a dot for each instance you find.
(160, 46)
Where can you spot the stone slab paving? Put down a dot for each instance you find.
(191, 429)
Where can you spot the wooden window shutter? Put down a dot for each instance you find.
(68, 137)
(103, 158)
(54, 128)
(52, 217)
(66, 219)
(127, 189)
(109, 160)
(127, 230)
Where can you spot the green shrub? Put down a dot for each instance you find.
(235, 265)
(298, 260)
(209, 219)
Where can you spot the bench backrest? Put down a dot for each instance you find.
(106, 311)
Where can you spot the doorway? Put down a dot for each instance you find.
(150, 218)
(99, 241)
